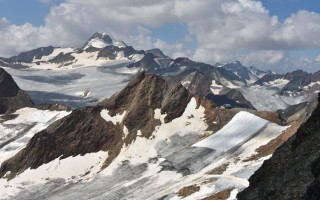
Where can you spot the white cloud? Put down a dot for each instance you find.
(174, 50)
(224, 30)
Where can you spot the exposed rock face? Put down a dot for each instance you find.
(293, 170)
(85, 131)
(239, 98)
(110, 52)
(298, 79)
(62, 58)
(267, 78)
(200, 84)
(301, 111)
(142, 96)
(147, 63)
(29, 56)
(11, 96)
(156, 52)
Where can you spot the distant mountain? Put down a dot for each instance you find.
(97, 50)
(254, 88)
(295, 83)
(12, 97)
(247, 75)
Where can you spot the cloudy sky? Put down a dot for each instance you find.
(281, 35)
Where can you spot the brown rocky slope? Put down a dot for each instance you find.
(85, 131)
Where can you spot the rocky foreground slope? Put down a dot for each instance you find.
(293, 170)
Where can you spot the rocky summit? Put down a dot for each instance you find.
(11, 96)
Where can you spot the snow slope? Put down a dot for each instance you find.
(69, 86)
(155, 168)
(268, 98)
(16, 133)
(242, 127)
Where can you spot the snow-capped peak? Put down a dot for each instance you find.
(101, 40)
(97, 43)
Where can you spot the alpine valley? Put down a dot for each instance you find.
(107, 121)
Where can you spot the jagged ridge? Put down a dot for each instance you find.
(85, 131)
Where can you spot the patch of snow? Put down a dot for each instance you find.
(312, 84)
(233, 194)
(120, 55)
(119, 44)
(21, 129)
(137, 57)
(97, 43)
(115, 119)
(215, 87)
(125, 131)
(142, 149)
(72, 169)
(55, 53)
(33, 115)
(83, 94)
(185, 83)
(157, 115)
(280, 83)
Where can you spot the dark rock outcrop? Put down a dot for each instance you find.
(156, 52)
(12, 97)
(239, 99)
(293, 170)
(29, 56)
(147, 63)
(111, 51)
(298, 79)
(85, 131)
(268, 78)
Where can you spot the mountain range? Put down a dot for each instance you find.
(106, 121)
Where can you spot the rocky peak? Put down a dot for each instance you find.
(8, 88)
(102, 36)
(149, 91)
(104, 39)
(156, 52)
(11, 96)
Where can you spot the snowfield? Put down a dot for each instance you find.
(76, 87)
(15, 133)
(242, 127)
(268, 98)
(156, 167)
